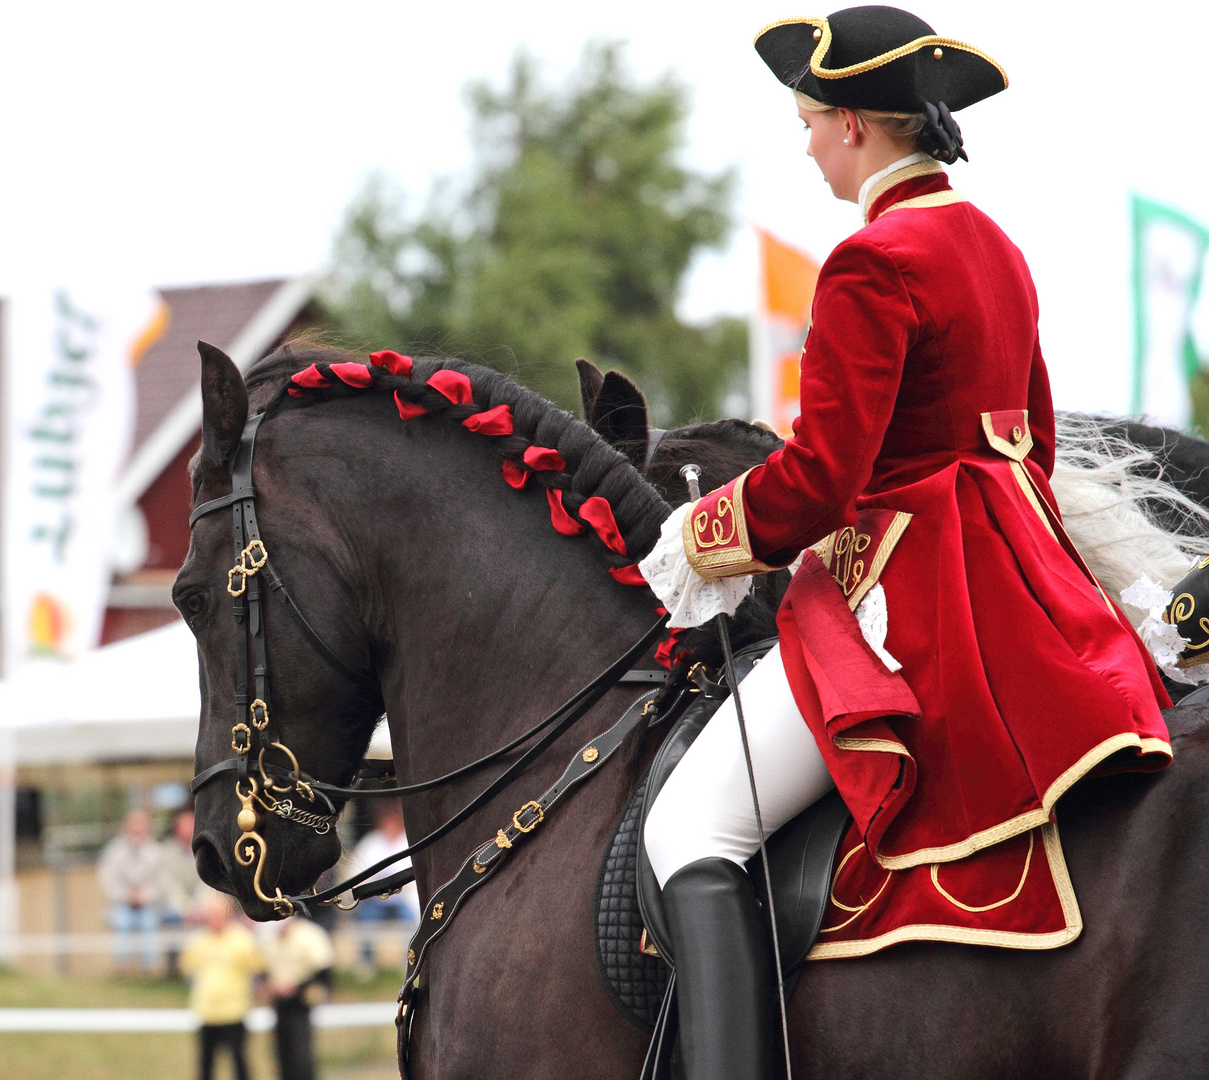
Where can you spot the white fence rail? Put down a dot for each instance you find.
(340, 1015)
(76, 944)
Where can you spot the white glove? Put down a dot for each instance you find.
(688, 597)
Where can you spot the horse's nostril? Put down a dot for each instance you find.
(210, 866)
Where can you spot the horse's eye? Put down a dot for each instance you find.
(195, 602)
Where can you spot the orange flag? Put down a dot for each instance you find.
(782, 317)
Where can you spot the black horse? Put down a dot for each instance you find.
(412, 558)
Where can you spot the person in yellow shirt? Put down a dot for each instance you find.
(300, 957)
(221, 961)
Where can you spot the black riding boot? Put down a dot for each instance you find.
(725, 986)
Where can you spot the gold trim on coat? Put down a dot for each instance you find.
(1016, 453)
(1026, 485)
(1030, 819)
(1028, 862)
(886, 746)
(899, 176)
(1007, 939)
(923, 202)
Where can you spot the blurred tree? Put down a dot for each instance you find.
(573, 240)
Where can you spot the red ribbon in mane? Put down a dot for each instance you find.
(514, 473)
(353, 374)
(627, 575)
(312, 379)
(597, 512)
(408, 410)
(392, 361)
(562, 521)
(497, 421)
(454, 385)
(544, 459)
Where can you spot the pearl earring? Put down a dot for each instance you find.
(845, 142)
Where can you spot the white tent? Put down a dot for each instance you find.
(137, 698)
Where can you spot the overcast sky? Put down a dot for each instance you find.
(166, 143)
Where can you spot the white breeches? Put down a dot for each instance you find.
(705, 808)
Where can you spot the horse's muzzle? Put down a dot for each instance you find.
(210, 866)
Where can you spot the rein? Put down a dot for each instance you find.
(268, 789)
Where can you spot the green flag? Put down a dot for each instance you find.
(1171, 316)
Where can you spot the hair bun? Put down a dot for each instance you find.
(940, 136)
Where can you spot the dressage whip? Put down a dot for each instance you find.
(692, 477)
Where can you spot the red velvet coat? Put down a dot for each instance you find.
(1018, 676)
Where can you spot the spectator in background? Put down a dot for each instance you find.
(221, 961)
(299, 958)
(386, 838)
(182, 891)
(129, 873)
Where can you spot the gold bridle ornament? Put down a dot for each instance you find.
(251, 848)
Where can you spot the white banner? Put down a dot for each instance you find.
(69, 356)
(1171, 316)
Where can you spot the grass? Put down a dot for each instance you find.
(343, 1053)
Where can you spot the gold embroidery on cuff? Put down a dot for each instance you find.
(720, 547)
(845, 553)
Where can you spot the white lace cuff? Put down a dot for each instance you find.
(688, 597)
(1159, 636)
(874, 621)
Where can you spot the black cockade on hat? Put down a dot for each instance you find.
(877, 57)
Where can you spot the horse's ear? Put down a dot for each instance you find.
(590, 382)
(619, 415)
(224, 406)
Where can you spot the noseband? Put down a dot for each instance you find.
(261, 785)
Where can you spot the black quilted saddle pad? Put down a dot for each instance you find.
(635, 981)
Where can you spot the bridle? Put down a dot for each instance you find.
(258, 784)
(264, 786)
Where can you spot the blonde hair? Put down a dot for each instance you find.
(898, 125)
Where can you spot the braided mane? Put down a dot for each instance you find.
(544, 445)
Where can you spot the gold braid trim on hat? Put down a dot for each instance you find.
(927, 42)
(814, 21)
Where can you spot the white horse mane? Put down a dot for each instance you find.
(1110, 493)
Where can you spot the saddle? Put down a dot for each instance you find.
(633, 946)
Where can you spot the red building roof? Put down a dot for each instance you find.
(247, 320)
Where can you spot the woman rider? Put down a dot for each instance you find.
(944, 656)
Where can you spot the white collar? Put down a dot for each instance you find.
(881, 174)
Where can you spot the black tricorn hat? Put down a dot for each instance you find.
(877, 57)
